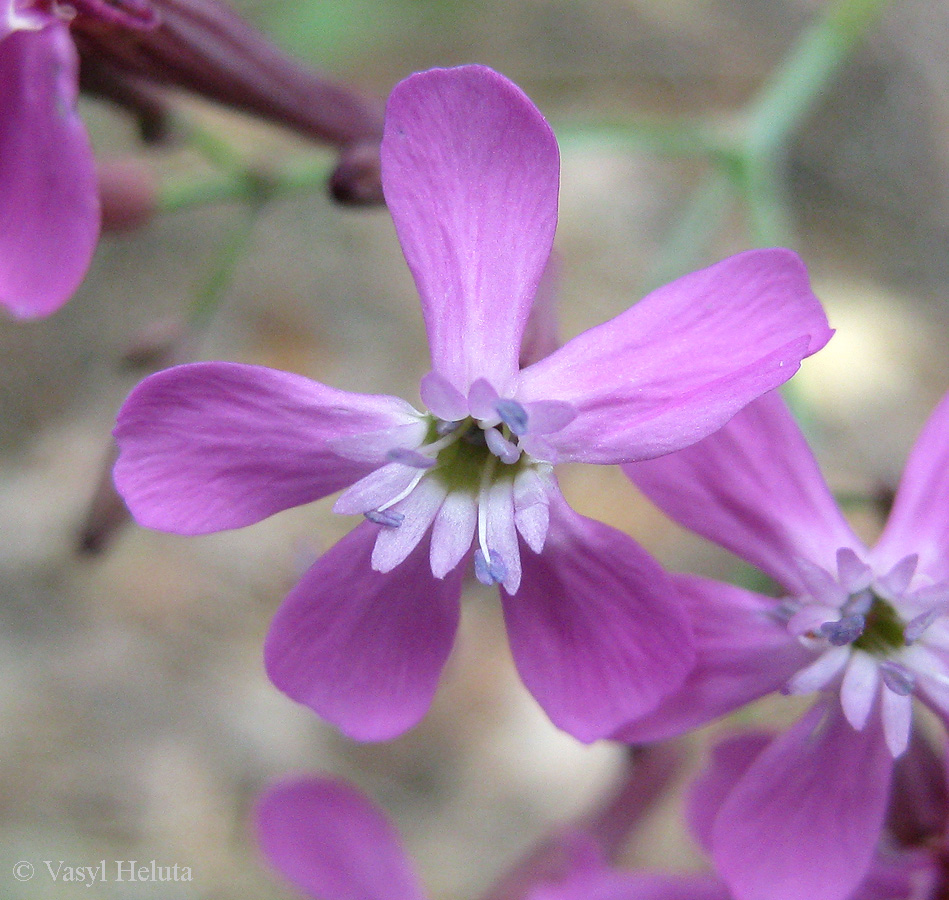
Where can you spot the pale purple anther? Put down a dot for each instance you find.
(471, 176)
(867, 628)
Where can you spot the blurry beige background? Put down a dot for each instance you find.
(136, 721)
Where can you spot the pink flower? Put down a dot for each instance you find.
(471, 176)
(867, 629)
(49, 204)
(892, 875)
(332, 843)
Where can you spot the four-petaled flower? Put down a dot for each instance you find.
(869, 629)
(49, 205)
(471, 177)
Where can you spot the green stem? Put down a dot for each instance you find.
(243, 186)
(212, 291)
(686, 245)
(798, 82)
(693, 138)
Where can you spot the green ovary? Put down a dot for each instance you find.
(883, 632)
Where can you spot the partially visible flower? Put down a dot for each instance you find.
(891, 876)
(49, 206)
(867, 629)
(471, 175)
(332, 843)
(49, 203)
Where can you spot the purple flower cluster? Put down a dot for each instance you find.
(680, 391)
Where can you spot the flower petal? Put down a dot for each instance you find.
(332, 843)
(858, 690)
(419, 510)
(919, 521)
(731, 759)
(805, 819)
(453, 531)
(610, 884)
(755, 488)
(597, 629)
(471, 172)
(742, 653)
(209, 446)
(49, 205)
(681, 362)
(362, 649)
(542, 331)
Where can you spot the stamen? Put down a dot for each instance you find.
(448, 437)
(411, 458)
(501, 447)
(859, 604)
(897, 678)
(412, 485)
(493, 572)
(388, 518)
(844, 631)
(915, 628)
(513, 415)
(442, 427)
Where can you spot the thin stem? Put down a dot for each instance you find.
(686, 245)
(210, 294)
(245, 185)
(671, 138)
(791, 92)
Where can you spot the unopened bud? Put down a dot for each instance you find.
(357, 179)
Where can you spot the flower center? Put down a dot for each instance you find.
(475, 473)
(472, 454)
(883, 629)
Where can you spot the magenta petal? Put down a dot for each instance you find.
(681, 362)
(597, 629)
(209, 446)
(362, 649)
(742, 653)
(919, 521)
(49, 204)
(755, 488)
(909, 876)
(332, 843)
(805, 819)
(615, 885)
(731, 759)
(471, 172)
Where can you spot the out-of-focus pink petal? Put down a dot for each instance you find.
(731, 759)
(919, 521)
(542, 332)
(908, 876)
(331, 843)
(471, 172)
(805, 819)
(209, 446)
(49, 204)
(364, 650)
(597, 629)
(742, 652)
(602, 883)
(681, 362)
(755, 488)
